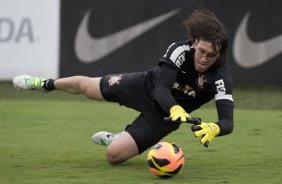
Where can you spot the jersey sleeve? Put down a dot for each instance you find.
(170, 63)
(175, 55)
(162, 92)
(222, 89)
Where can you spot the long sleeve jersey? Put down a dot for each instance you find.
(176, 82)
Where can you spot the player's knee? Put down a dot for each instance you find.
(83, 83)
(114, 156)
(89, 93)
(86, 87)
(91, 88)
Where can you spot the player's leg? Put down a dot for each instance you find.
(140, 135)
(75, 85)
(80, 85)
(122, 148)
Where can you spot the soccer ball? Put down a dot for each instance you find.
(165, 159)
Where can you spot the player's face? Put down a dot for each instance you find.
(205, 55)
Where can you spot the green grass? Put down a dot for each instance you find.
(45, 138)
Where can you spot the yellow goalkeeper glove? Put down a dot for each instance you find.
(177, 112)
(208, 131)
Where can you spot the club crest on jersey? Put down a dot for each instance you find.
(114, 80)
(201, 81)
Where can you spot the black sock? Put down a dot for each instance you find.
(49, 84)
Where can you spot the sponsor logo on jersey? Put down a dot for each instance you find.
(221, 91)
(220, 87)
(180, 59)
(186, 89)
(178, 55)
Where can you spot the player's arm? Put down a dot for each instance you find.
(164, 83)
(225, 116)
(224, 126)
(224, 105)
(163, 96)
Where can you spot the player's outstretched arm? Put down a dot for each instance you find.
(224, 126)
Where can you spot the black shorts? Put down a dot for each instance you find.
(130, 90)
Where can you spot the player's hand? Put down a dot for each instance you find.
(178, 113)
(208, 131)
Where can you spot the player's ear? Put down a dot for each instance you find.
(195, 42)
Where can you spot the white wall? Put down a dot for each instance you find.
(29, 38)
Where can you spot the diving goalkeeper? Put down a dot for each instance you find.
(191, 73)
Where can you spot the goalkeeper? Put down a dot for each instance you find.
(190, 74)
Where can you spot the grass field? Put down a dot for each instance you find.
(45, 138)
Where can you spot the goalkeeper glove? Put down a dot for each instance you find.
(208, 131)
(177, 112)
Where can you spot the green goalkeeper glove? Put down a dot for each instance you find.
(177, 112)
(208, 131)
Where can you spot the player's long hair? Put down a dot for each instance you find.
(203, 24)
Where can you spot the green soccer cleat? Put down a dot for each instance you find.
(28, 82)
(104, 138)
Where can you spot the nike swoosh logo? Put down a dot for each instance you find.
(89, 49)
(249, 54)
